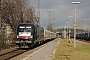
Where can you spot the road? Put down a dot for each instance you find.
(44, 53)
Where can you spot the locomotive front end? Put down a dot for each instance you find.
(25, 36)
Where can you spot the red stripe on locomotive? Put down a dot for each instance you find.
(23, 36)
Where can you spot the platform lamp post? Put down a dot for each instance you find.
(75, 25)
(69, 27)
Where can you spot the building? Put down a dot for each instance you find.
(64, 31)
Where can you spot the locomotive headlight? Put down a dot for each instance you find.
(17, 36)
(31, 36)
(20, 33)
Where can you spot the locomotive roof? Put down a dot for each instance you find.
(30, 24)
(25, 24)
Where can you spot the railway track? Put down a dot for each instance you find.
(85, 41)
(15, 52)
(11, 54)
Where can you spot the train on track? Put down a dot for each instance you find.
(30, 35)
(83, 36)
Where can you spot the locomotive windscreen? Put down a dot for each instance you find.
(25, 29)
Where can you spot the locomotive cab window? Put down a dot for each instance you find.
(28, 30)
(25, 29)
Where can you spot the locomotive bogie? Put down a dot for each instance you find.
(25, 45)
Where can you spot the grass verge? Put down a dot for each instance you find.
(66, 51)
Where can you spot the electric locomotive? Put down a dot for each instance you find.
(29, 35)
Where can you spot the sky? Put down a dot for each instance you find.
(61, 10)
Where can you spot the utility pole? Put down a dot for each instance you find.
(49, 18)
(84, 26)
(38, 12)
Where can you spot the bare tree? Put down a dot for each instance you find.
(14, 12)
